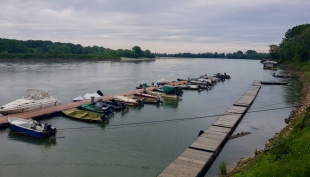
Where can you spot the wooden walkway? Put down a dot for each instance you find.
(50, 111)
(199, 156)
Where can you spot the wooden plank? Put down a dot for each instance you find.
(257, 83)
(212, 136)
(237, 109)
(216, 133)
(205, 147)
(219, 129)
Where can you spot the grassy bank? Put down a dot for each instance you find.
(287, 153)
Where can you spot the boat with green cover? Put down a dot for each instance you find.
(85, 115)
(99, 107)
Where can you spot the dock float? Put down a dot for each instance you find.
(273, 83)
(51, 111)
(199, 156)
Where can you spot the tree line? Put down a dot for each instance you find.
(294, 47)
(12, 48)
(249, 54)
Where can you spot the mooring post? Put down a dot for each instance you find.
(92, 99)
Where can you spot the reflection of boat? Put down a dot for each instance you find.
(46, 142)
(85, 115)
(31, 127)
(171, 103)
(32, 100)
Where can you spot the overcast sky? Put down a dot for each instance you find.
(163, 26)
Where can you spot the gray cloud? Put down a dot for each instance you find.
(161, 25)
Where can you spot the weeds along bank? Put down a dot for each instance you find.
(288, 153)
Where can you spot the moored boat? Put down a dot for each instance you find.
(31, 127)
(270, 65)
(284, 76)
(190, 87)
(85, 115)
(32, 100)
(128, 101)
(163, 95)
(99, 107)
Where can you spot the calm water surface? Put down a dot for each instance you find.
(139, 150)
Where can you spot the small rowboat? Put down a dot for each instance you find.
(31, 127)
(148, 96)
(85, 115)
(128, 101)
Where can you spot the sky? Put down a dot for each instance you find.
(162, 26)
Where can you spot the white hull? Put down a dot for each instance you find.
(33, 100)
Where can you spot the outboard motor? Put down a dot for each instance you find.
(123, 105)
(99, 104)
(50, 129)
(99, 93)
(104, 118)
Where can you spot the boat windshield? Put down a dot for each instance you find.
(34, 94)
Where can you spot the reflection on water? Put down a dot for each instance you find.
(292, 93)
(171, 103)
(45, 142)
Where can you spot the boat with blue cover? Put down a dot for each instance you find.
(31, 127)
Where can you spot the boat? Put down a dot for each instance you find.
(85, 115)
(190, 87)
(87, 96)
(162, 94)
(31, 127)
(270, 65)
(284, 76)
(204, 82)
(32, 100)
(149, 98)
(144, 85)
(98, 107)
(163, 81)
(222, 76)
(128, 101)
(172, 90)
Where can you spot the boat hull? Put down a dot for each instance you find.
(27, 131)
(33, 105)
(83, 115)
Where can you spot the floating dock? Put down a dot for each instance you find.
(51, 111)
(199, 156)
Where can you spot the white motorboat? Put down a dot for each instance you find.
(32, 100)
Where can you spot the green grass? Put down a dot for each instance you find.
(223, 167)
(290, 156)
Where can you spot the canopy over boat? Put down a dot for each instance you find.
(86, 96)
(163, 80)
(35, 94)
(169, 89)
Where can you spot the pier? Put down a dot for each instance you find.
(199, 156)
(51, 111)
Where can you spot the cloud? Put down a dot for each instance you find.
(161, 26)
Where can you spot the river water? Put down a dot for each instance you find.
(129, 146)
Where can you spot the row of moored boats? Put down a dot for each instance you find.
(100, 110)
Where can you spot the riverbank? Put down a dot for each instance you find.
(137, 59)
(287, 153)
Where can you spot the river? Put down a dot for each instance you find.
(136, 150)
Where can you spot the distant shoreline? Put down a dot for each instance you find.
(137, 59)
